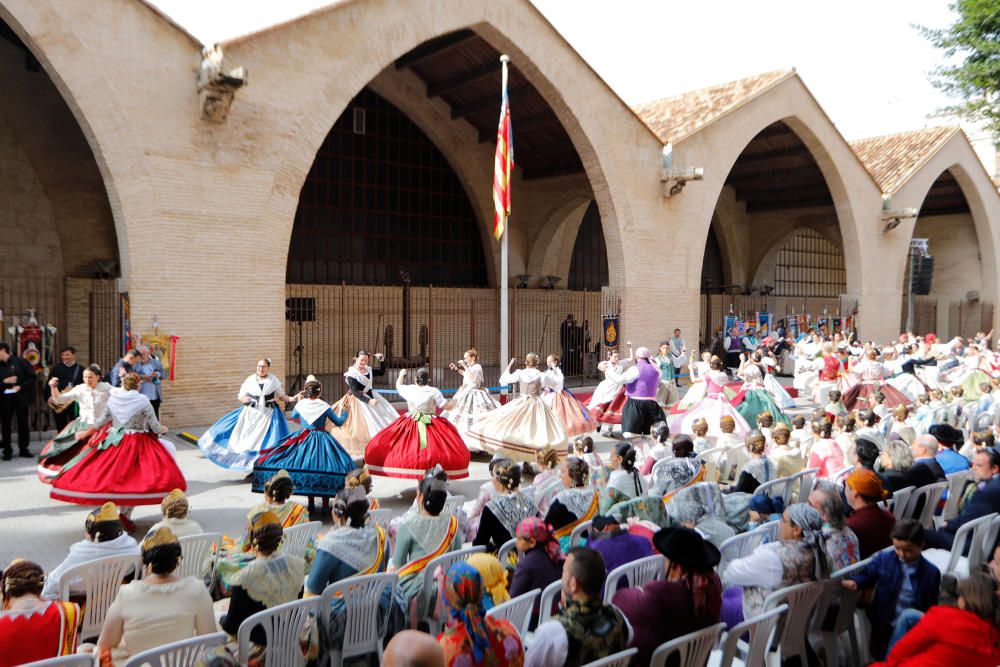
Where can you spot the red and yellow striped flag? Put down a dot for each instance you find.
(503, 163)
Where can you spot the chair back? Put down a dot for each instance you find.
(452, 505)
(776, 487)
(282, 626)
(200, 554)
(178, 654)
(620, 659)
(428, 593)
(380, 517)
(739, 546)
(801, 600)
(100, 580)
(506, 549)
(517, 610)
(761, 630)
(841, 475)
(956, 483)
(72, 660)
(361, 597)
(637, 573)
(931, 495)
(296, 539)
(900, 499)
(711, 459)
(971, 534)
(691, 649)
(807, 478)
(547, 600)
(577, 535)
(769, 530)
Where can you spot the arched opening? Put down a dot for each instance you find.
(588, 269)
(777, 214)
(392, 249)
(957, 303)
(59, 239)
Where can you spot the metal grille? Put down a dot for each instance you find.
(105, 324)
(380, 203)
(588, 269)
(967, 318)
(415, 326)
(811, 266)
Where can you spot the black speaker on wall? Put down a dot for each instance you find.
(922, 275)
(300, 309)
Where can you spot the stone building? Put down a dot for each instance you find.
(280, 217)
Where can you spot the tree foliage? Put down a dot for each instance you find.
(972, 75)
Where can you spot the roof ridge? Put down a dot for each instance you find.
(785, 72)
(923, 130)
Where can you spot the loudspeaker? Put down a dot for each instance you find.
(923, 273)
(300, 309)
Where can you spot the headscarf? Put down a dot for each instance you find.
(494, 576)
(809, 520)
(463, 597)
(534, 528)
(867, 484)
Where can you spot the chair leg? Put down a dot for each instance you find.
(855, 657)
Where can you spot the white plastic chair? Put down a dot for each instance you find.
(178, 654)
(282, 626)
(637, 573)
(199, 553)
(845, 603)
(776, 487)
(503, 555)
(956, 483)
(73, 660)
(734, 651)
(900, 499)
(620, 659)
(841, 475)
(296, 539)
(970, 534)
(452, 505)
(100, 580)
(428, 593)
(931, 495)
(806, 478)
(692, 649)
(380, 518)
(577, 534)
(517, 610)
(711, 458)
(769, 530)
(792, 635)
(361, 597)
(547, 600)
(740, 546)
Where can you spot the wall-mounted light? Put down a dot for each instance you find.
(522, 280)
(892, 217)
(673, 179)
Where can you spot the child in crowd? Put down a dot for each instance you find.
(878, 405)
(584, 448)
(764, 508)
(700, 430)
(661, 450)
(826, 454)
(835, 408)
(786, 456)
(736, 452)
(765, 422)
(801, 437)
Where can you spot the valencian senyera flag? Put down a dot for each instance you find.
(503, 163)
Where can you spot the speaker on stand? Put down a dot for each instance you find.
(299, 309)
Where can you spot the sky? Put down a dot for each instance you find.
(864, 60)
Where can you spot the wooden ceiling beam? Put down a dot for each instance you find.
(446, 86)
(765, 156)
(771, 180)
(463, 110)
(551, 171)
(929, 212)
(529, 124)
(433, 47)
(786, 205)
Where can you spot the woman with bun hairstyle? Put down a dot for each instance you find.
(315, 461)
(51, 624)
(419, 439)
(422, 537)
(713, 407)
(234, 441)
(473, 399)
(132, 466)
(157, 609)
(570, 412)
(624, 482)
(524, 425)
(504, 512)
(91, 398)
(367, 410)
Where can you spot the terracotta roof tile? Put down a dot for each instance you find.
(893, 158)
(673, 118)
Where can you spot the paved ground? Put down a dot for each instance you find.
(36, 527)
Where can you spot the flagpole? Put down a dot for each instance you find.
(504, 281)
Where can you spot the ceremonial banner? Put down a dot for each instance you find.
(503, 164)
(764, 325)
(803, 323)
(611, 332)
(163, 347)
(730, 322)
(793, 327)
(126, 324)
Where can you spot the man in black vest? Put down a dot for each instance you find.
(69, 374)
(17, 378)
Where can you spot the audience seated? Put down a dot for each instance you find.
(424, 536)
(895, 460)
(925, 469)
(585, 628)
(470, 638)
(576, 501)
(759, 469)
(103, 536)
(902, 578)
(616, 545)
(158, 609)
(949, 438)
(870, 523)
(31, 627)
(842, 546)
(494, 576)
(412, 648)
(508, 508)
(702, 507)
(986, 474)
(540, 562)
(624, 482)
(690, 594)
(826, 454)
(175, 516)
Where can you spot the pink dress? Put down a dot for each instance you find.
(828, 457)
(712, 408)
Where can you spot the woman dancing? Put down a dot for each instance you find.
(872, 373)
(367, 411)
(608, 399)
(234, 441)
(712, 408)
(92, 399)
(473, 399)
(573, 414)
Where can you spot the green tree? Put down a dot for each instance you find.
(972, 75)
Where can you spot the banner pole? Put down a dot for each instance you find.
(504, 281)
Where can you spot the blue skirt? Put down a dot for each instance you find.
(313, 458)
(215, 442)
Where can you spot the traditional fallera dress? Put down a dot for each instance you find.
(779, 393)
(137, 469)
(364, 420)
(418, 440)
(419, 540)
(313, 458)
(93, 404)
(641, 410)
(871, 373)
(698, 389)
(472, 400)
(525, 425)
(237, 554)
(712, 408)
(500, 518)
(50, 627)
(608, 399)
(666, 393)
(234, 441)
(573, 414)
(828, 375)
(754, 399)
(569, 508)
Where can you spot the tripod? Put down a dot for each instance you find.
(300, 377)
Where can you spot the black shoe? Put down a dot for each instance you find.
(25, 454)
(7, 455)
